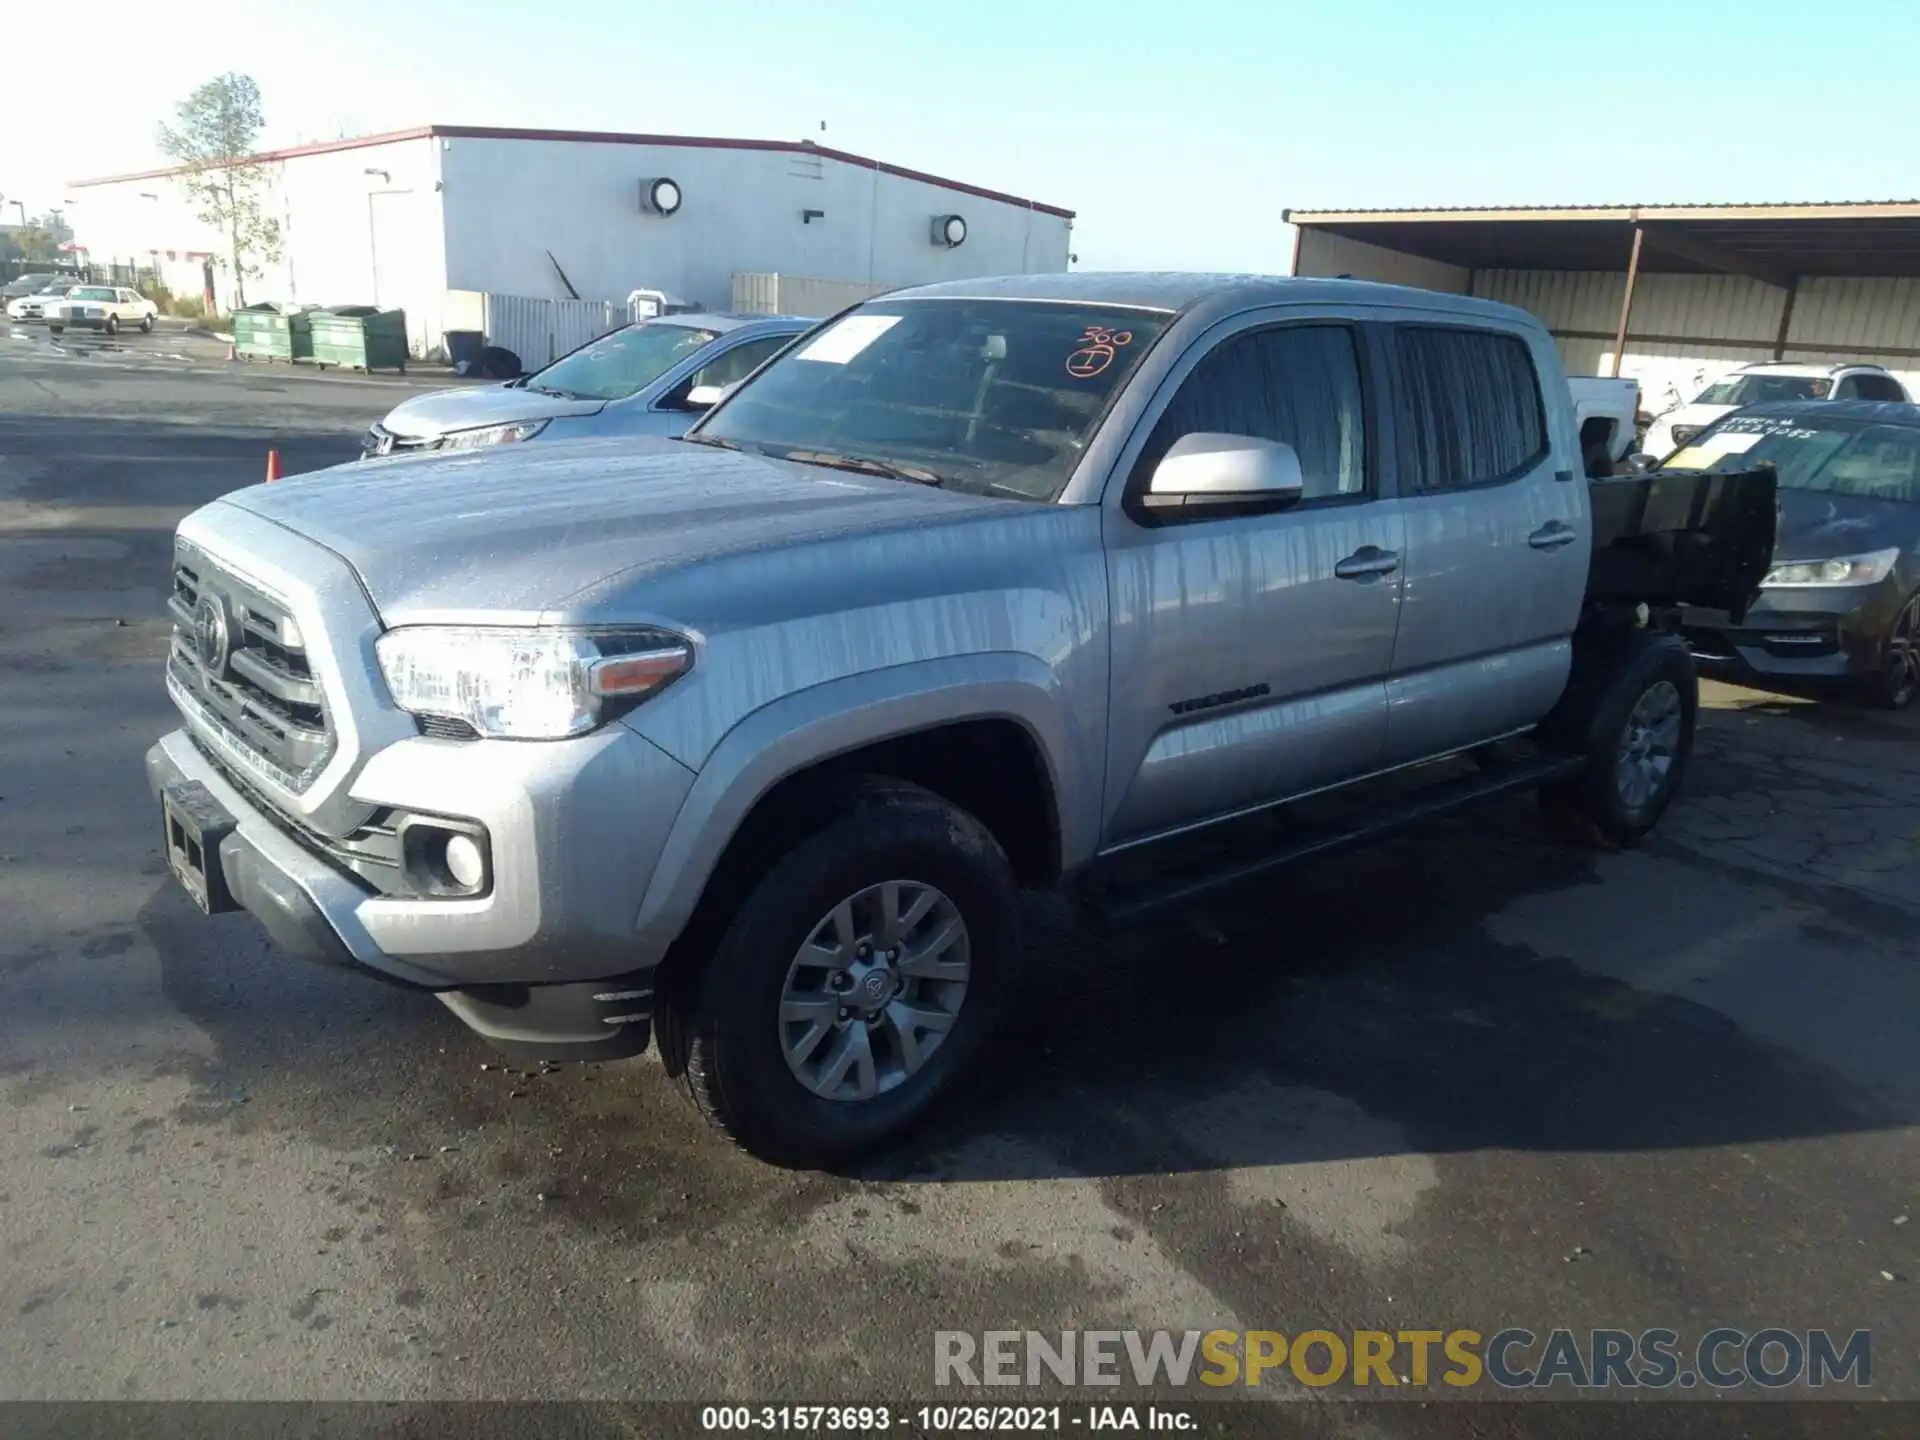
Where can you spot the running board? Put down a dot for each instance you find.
(1109, 908)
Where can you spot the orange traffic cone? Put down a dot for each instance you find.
(273, 466)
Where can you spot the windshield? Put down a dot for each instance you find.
(1878, 462)
(616, 365)
(994, 396)
(1758, 389)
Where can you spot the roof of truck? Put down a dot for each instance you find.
(1176, 290)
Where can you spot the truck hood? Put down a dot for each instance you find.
(1815, 525)
(440, 411)
(525, 534)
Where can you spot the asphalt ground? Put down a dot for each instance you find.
(1476, 1078)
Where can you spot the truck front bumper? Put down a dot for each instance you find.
(539, 967)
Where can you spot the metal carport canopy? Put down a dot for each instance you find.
(1778, 245)
(1772, 243)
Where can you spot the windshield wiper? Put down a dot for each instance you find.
(865, 465)
(713, 440)
(558, 394)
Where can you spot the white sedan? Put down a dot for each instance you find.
(34, 306)
(101, 307)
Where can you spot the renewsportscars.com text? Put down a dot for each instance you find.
(1657, 1359)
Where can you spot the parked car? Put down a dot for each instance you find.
(1842, 601)
(102, 307)
(1757, 384)
(748, 739)
(1606, 410)
(653, 378)
(25, 285)
(34, 306)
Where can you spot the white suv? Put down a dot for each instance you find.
(1752, 384)
(101, 307)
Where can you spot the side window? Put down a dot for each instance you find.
(1850, 389)
(739, 362)
(1299, 384)
(1879, 387)
(1470, 408)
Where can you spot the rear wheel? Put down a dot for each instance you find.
(113, 325)
(1636, 740)
(1898, 683)
(856, 981)
(146, 324)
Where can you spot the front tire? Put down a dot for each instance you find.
(146, 324)
(113, 325)
(1636, 740)
(857, 980)
(1897, 685)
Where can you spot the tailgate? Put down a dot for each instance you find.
(1683, 538)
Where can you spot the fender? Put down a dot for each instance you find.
(800, 730)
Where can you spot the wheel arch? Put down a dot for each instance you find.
(899, 720)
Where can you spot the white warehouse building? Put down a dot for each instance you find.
(438, 219)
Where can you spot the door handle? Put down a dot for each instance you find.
(1552, 536)
(1367, 560)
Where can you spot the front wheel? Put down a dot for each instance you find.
(1635, 743)
(55, 329)
(856, 982)
(1898, 683)
(113, 325)
(146, 324)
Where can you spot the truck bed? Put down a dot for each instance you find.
(1682, 538)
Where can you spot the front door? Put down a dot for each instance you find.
(1497, 539)
(1250, 654)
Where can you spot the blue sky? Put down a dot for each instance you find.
(1179, 132)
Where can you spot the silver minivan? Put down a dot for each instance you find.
(652, 378)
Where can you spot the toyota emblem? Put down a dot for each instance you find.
(211, 637)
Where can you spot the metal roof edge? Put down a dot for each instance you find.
(598, 137)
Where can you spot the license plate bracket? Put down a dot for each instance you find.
(194, 824)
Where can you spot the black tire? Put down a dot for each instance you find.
(736, 1069)
(1897, 685)
(112, 326)
(1603, 720)
(55, 329)
(146, 324)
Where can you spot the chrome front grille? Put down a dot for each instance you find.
(381, 441)
(239, 664)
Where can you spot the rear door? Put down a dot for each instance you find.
(1496, 527)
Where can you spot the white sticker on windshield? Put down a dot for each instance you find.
(848, 338)
(1730, 443)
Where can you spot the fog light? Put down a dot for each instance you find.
(464, 862)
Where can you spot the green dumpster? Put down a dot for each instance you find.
(262, 332)
(359, 337)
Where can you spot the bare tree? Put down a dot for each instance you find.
(213, 139)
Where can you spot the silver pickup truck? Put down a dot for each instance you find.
(746, 742)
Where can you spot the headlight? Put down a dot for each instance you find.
(1847, 570)
(1683, 434)
(492, 435)
(528, 684)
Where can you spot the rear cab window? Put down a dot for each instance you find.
(1469, 410)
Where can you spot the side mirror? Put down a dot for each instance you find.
(1641, 464)
(704, 397)
(1205, 472)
